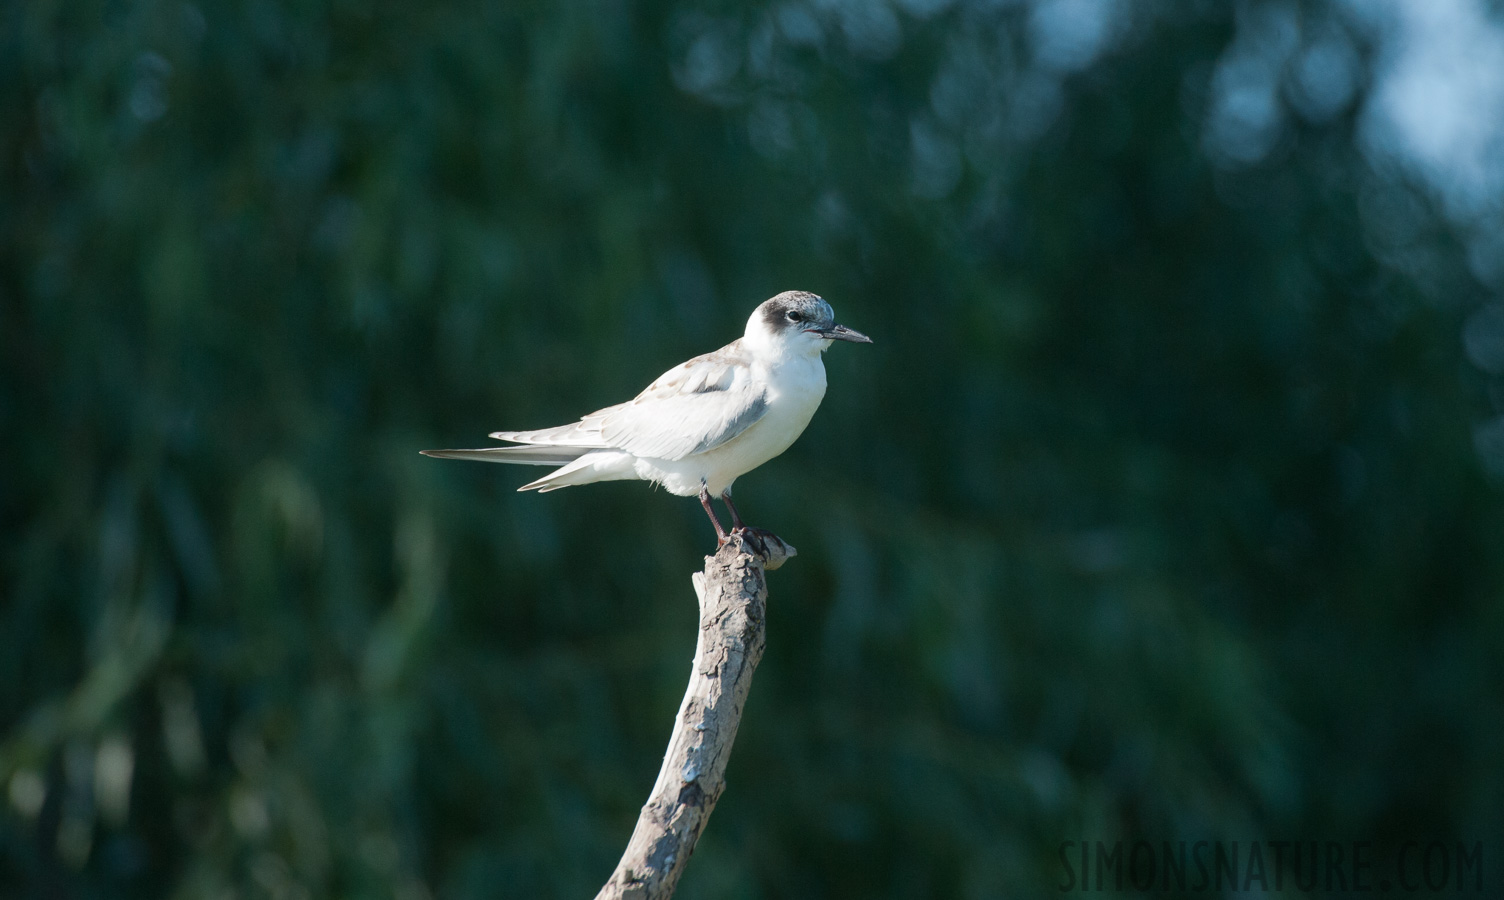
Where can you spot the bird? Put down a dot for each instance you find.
(701, 424)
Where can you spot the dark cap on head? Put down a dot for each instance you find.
(796, 310)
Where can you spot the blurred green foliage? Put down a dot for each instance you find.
(1156, 509)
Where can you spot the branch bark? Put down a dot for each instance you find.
(733, 596)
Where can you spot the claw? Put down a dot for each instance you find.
(759, 538)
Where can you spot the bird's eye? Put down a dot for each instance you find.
(795, 317)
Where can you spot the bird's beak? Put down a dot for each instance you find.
(842, 333)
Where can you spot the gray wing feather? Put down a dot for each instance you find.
(527, 455)
(691, 408)
(675, 427)
(575, 434)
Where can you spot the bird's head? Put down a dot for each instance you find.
(797, 323)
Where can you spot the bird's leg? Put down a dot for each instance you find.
(720, 533)
(736, 519)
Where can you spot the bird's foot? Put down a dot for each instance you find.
(772, 548)
(756, 537)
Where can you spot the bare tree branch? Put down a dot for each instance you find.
(733, 604)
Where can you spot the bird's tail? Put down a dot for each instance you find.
(579, 465)
(600, 465)
(526, 456)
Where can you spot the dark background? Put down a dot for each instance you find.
(1165, 506)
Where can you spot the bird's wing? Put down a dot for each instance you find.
(583, 434)
(693, 407)
(526, 454)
